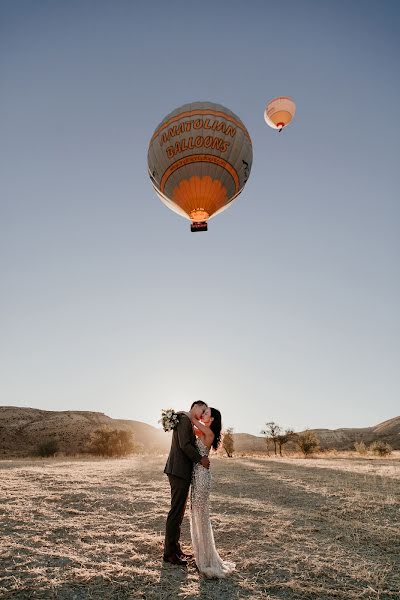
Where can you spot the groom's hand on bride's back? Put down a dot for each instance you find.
(205, 462)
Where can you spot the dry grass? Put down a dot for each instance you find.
(297, 529)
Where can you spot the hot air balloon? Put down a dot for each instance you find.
(279, 112)
(199, 160)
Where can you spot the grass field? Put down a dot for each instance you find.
(297, 529)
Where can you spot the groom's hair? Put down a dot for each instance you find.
(198, 402)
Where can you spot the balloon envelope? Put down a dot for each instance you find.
(199, 159)
(279, 112)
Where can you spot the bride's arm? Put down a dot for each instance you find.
(203, 428)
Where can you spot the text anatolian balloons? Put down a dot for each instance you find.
(279, 112)
(199, 160)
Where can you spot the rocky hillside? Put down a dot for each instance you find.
(23, 429)
(343, 439)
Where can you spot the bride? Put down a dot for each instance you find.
(208, 561)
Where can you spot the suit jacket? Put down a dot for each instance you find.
(183, 453)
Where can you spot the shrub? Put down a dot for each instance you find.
(111, 442)
(307, 442)
(228, 442)
(361, 448)
(380, 448)
(48, 448)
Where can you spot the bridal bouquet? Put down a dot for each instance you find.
(169, 419)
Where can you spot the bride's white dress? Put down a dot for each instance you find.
(207, 558)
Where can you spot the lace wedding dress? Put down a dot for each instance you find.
(207, 558)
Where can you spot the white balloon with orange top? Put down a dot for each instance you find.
(199, 160)
(279, 112)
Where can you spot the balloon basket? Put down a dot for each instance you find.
(198, 226)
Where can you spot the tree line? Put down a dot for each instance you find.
(105, 442)
(306, 442)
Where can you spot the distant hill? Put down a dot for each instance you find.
(341, 439)
(23, 429)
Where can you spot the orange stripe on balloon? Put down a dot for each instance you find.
(205, 111)
(209, 158)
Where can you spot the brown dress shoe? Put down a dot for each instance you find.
(174, 559)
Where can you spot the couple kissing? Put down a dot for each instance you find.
(188, 468)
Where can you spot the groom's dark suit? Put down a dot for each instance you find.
(179, 467)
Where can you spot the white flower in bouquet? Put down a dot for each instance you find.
(169, 419)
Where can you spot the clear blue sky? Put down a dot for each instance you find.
(288, 308)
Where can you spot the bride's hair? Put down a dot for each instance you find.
(216, 427)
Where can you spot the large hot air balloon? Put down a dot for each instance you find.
(279, 112)
(199, 160)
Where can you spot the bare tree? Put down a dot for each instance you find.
(272, 432)
(284, 438)
(228, 443)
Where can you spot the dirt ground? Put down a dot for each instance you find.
(297, 529)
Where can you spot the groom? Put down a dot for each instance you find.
(182, 456)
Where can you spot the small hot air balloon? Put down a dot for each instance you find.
(279, 112)
(199, 160)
